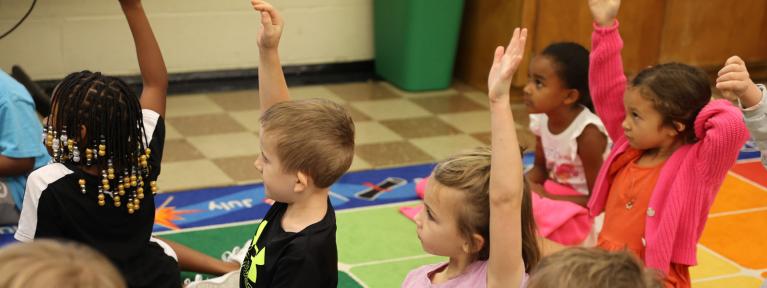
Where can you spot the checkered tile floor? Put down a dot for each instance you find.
(212, 139)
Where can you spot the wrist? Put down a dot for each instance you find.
(606, 23)
(752, 97)
(501, 102)
(268, 53)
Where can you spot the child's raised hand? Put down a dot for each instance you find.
(604, 11)
(271, 25)
(505, 64)
(735, 83)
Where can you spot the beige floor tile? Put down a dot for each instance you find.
(248, 119)
(363, 91)
(443, 146)
(317, 91)
(391, 154)
(226, 145)
(390, 109)
(188, 105)
(449, 103)
(193, 174)
(171, 133)
(469, 122)
(241, 168)
(357, 116)
(373, 132)
(402, 93)
(358, 164)
(207, 124)
(420, 127)
(236, 100)
(179, 150)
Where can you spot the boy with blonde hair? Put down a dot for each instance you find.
(306, 145)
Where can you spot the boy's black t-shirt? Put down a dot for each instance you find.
(55, 207)
(283, 259)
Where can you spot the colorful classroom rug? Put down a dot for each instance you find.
(377, 246)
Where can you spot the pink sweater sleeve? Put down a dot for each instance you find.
(721, 132)
(607, 81)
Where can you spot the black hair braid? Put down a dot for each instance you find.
(111, 114)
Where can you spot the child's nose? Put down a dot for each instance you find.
(417, 219)
(626, 125)
(258, 165)
(528, 89)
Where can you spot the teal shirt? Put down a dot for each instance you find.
(20, 132)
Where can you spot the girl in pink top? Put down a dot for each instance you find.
(477, 210)
(664, 119)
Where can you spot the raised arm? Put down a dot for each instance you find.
(153, 73)
(506, 267)
(272, 87)
(607, 80)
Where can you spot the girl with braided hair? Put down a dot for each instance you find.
(107, 146)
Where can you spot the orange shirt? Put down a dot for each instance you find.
(626, 211)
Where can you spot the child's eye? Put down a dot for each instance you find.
(635, 115)
(428, 214)
(538, 83)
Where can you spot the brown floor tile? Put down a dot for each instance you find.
(392, 153)
(239, 168)
(236, 100)
(179, 150)
(483, 137)
(420, 127)
(447, 104)
(205, 124)
(362, 91)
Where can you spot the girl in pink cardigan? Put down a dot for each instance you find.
(672, 149)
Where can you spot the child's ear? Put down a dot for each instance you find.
(475, 245)
(678, 127)
(572, 96)
(302, 182)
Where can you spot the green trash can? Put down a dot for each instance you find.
(416, 42)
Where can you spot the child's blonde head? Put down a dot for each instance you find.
(469, 172)
(313, 136)
(47, 263)
(592, 268)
